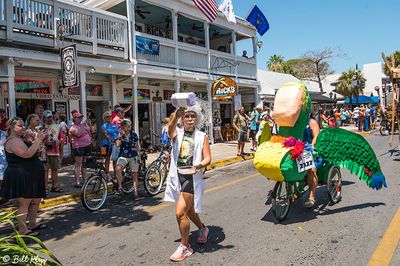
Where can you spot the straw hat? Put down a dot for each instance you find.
(260, 106)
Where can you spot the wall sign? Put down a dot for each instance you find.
(23, 85)
(39, 96)
(224, 88)
(69, 66)
(147, 46)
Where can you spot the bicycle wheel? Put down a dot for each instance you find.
(153, 180)
(94, 192)
(127, 183)
(334, 185)
(281, 200)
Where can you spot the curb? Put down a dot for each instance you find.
(76, 197)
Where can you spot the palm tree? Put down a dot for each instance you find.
(275, 63)
(396, 61)
(347, 84)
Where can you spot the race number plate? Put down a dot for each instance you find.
(305, 162)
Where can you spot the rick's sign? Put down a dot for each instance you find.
(224, 88)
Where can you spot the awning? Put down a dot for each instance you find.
(362, 99)
(317, 97)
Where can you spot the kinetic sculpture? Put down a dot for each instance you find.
(276, 158)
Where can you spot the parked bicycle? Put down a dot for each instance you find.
(95, 189)
(157, 171)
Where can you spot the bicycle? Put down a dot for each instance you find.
(158, 170)
(286, 192)
(95, 189)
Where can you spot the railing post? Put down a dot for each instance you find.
(94, 33)
(125, 38)
(175, 37)
(207, 36)
(9, 19)
(56, 22)
(130, 36)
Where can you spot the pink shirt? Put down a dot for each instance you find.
(84, 140)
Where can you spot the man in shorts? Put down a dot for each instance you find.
(240, 124)
(254, 124)
(54, 143)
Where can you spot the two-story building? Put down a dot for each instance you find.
(129, 52)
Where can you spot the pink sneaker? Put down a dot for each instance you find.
(181, 253)
(202, 235)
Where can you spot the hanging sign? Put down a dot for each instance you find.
(147, 46)
(69, 66)
(224, 88)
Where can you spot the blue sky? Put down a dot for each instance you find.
(360, 28)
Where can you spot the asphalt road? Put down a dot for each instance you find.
(243, 230)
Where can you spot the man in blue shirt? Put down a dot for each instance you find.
(255, 119)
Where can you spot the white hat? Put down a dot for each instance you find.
(260, 106)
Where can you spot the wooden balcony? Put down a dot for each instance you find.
(53, 23)
(196, 58)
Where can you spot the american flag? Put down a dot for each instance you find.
(208, 7)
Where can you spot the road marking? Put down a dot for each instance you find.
(386, 248)
(168, 204)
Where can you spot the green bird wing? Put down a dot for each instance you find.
(350, 150)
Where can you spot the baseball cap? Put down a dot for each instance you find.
(47, 113)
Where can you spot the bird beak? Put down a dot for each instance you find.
(288, 104)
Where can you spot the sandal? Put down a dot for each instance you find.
(57, 190)
(39, 227)
(310, 203)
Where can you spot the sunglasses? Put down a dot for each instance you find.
(190, 116)
(108, 116)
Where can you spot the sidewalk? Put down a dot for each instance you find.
(222, 154)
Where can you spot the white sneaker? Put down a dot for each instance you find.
(181, 253)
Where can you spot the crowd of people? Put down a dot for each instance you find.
(364, 117)
(30, 150)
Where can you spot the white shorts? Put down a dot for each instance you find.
(133, 163)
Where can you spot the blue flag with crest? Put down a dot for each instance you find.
(258, 20)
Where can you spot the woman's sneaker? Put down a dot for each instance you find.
(181, 253)
(202, 235)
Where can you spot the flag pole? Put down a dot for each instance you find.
(248, 13)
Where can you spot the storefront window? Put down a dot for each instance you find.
(168, 94)
(32, 86)
(128, 94)
(143, 95)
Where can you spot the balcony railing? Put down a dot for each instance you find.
(45, 22)
(192, 57)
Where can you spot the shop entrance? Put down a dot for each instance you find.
(94, 111)
(26, 107)
(144, 120)
(226, 111)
